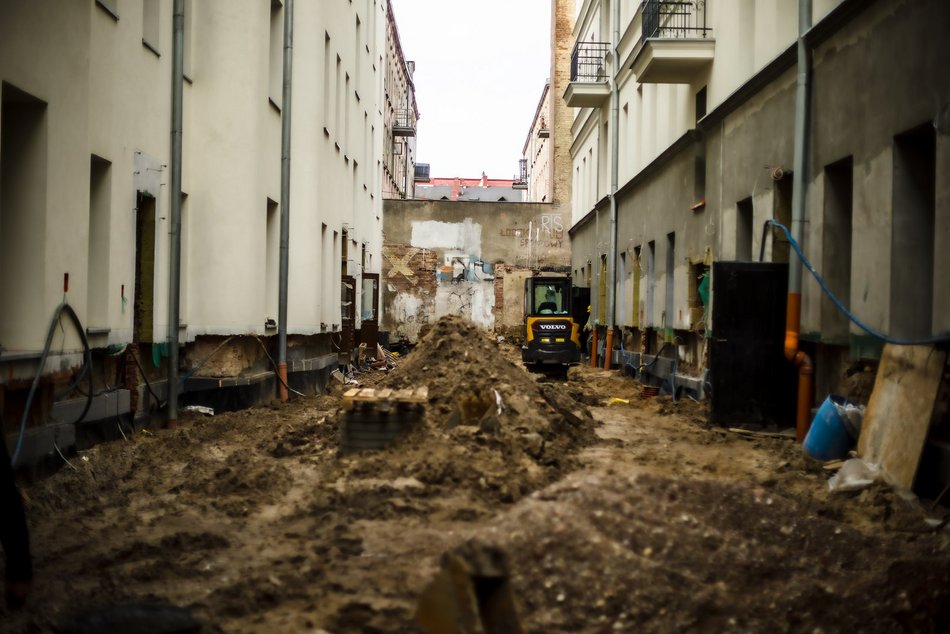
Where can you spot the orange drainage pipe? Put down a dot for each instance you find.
(802, 361)
(593, 348)
(608, 348)
(282, 381)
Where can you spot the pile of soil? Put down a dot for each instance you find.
(607, 551)
(490, 427)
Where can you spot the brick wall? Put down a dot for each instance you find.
(562, 41)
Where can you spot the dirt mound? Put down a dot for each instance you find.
(490, 426)
(605, 552)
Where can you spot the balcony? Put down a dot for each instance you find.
(588, 87)
(522, 181)
(675, 42)
(404, 123)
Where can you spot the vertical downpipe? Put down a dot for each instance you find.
(799, 191)
(614, 178)
(285, 198)
(174, 257)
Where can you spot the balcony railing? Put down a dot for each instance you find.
(669, 19)
(588, 62)
(404, 123)
(522, 181)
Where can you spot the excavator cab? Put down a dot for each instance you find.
(552, 336)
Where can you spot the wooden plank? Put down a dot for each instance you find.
(350, 393)
(384, 394)
(365, 394)
(898, 415)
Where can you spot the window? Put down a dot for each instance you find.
(912, 233)
(744, 230)
(651, 283)
(669, 312)
(276, 66)
(338, 107)
(186, 37)
(327, 60)
(100, 199)
(272, 258)
(151, 20)
(700, 103)
(602, 312)
(836, 241)
(110, 7)
(23, 180)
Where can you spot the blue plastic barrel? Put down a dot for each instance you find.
(828, 437)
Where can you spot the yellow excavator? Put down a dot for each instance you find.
(552, 339)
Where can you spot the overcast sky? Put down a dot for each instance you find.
(480, 70)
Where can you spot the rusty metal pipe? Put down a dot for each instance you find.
(608, 348)
(593, 348)
(800, 360)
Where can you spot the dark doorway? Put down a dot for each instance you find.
(751, 380)
(369, 311)
(144, 267)
(348, 299)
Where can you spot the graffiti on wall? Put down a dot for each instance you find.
(399, 264)
(536, 240)
(457, 268)
(465, 286)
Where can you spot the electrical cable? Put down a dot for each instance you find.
(68, 463)
(277, 370)
(148, 385)
(844, 310)
(87, 361)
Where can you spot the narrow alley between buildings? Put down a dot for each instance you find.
(615, 513)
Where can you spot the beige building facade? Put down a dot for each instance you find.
(536, 156)
(84, 210)
(400, 117)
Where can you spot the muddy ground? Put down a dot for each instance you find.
(622, 517)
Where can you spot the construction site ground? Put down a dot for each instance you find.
(615, 517)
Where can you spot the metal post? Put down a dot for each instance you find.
(174, 266)
(614, 178)
(285, 198)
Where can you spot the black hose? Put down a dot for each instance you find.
(655, 359)
(158, 401)
(87, 362)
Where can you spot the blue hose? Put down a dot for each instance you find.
(841, 307)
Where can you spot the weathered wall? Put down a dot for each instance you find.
(865, 96)
(442, 258)
(856, 117)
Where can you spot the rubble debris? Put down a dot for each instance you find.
(199, 409)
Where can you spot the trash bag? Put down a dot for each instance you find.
(854, 475)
